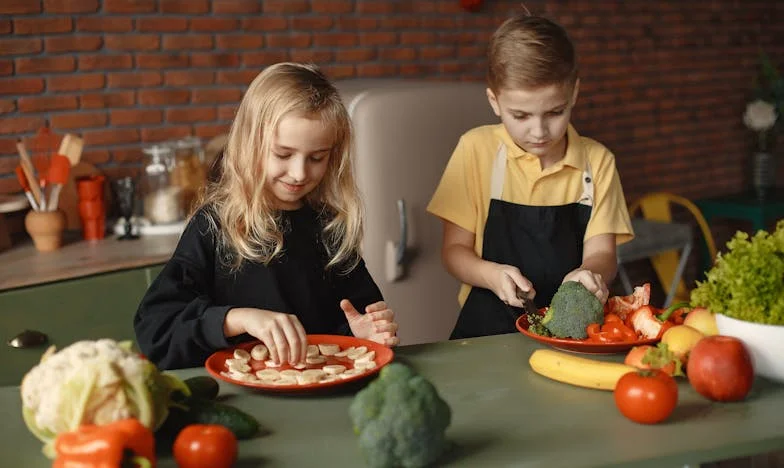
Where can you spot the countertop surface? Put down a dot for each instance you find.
(23, 265)
(503, 415)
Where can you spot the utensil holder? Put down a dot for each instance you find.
(46, 229)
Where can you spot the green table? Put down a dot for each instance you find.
(745, 206)
(504, 415)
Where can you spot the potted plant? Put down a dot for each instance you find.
(745, 291)
(761, 116)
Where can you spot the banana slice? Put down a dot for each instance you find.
(364, 365)
(293, 373)
(369, 356)
(268, 374)
(358, 351)
(237, 365)
(350, 373)
(328, 349)
(316, 360)
(259, 352)
(313, 350)
(271, 363)
(285, 381)
(345, 352)
(334, 369)
(241, 354)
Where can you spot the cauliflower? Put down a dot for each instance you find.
(400, 419)
(94, 382)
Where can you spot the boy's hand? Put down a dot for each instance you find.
(282, 334)
(593, 282)
(377, 324)
(504, 280)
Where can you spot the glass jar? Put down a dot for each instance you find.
(162, 199)
(189, 172)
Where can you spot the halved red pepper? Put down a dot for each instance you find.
(122, 443)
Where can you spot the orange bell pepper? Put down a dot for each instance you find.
(122, 443)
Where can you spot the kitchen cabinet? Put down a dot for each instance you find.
(92, 307)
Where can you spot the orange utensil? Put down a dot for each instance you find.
(20, 176)
(57, 175)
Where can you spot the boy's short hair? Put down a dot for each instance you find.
(529, 52)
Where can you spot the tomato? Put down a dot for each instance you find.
(720, 368)
(646, 396)
(205, 446)
(656, 359)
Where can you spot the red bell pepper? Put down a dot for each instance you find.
(122, 443)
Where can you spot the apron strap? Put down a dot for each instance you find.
(499, 170)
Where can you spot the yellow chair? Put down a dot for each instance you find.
(656, 207)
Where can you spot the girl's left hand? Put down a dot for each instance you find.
(593, 282)
(377, 324)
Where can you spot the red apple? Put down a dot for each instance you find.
(720, 368)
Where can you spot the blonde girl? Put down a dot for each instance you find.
(272, 253)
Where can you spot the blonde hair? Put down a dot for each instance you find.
(529, 52)
(250, 227)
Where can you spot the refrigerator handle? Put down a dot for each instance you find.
(396, 251)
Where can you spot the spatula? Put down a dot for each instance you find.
(71, 147)
(57, 176)
(20, 176)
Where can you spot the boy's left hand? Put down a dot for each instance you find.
(593, 282)
(377, 324)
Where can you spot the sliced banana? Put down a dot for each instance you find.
(241, 354)
(271, 363)
(313, 350)
(350, 373)
(334, 369)
(369, 356)
(328, 378)
(364, 365)
(293, 373)
(316, 360)
(259, 352)
(268, 374)
(237, 365)
(299, 365)
(345, 352)
(328, 349)
(285, 381)
(358, 351)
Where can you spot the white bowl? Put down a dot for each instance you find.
(764, 342)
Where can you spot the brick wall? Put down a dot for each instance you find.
(663, 83)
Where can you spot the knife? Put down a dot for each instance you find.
(528, 303)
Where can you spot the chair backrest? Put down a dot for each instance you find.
(656, 206)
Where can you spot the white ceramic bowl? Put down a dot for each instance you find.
(764, 342)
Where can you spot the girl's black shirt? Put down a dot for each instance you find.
(179, 322)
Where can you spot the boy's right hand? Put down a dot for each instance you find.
(504, 280)
(283, 334)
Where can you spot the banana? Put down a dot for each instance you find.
(576, 370)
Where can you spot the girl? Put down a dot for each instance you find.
(273, 251)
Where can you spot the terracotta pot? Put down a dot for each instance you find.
(46, 229)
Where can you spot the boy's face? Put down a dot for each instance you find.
(537, 118)
(298, 159)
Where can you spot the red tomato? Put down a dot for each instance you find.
(647, 396)
(635, 357)
(720, 368)
(205, 446)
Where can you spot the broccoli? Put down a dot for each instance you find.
(572, 309)
(400, 419)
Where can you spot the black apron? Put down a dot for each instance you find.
(544, 242)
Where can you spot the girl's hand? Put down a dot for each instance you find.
(593, 282)
(283, 334)
(505, 280)
(377, 324)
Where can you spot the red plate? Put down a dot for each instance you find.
(580, 346)
(215, 364)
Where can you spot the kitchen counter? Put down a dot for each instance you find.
(503, 415)
(24, 266)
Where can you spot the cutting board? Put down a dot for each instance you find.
(69, 199)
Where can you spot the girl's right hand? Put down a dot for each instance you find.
(505, 280)
(283, 334)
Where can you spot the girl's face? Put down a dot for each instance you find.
(298, 160)
(536, 119)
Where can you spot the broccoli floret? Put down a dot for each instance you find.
(400, 419)
(572, 309)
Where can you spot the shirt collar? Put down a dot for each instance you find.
(574, 157)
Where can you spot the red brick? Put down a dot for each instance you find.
(210, 130)
(75, 82)
(150, 135)
(5, 26)
(314, 56)
(120, 171)
(188, 78)
(6, 67)
(52, 64)
(107, 100)
(20, 46)
(162, 60)
(356, 55)
(10, 7)
(286, 6)
(112, 136)
(188, 41)
(17, 125)
(7, 106)
(9, 185)
(185, 7)
(349, 23)
(210, 96)
(471, 51)
(130, 6)
(375, 7)
(104, 24)
(161, 24)
(70, 6)
(418, 69)
(262, 23)
(318, 23)
(75, 120)
(401, 22)
(264, 58)
(336, 72)
(204, 60)
(332, 6)
(376, 69)
(8, 146)
(21, 85)
(136, 117)
(236, 6)
(72, 43)
(378, 38)
(42, 25)
(134, 79)
(95, 156)
(213, 24)
(295, 40)
(227, 112)
(105, 62)
(241, 41)
(443, 38)
(132, 42)
(438, 22)
(335, 40)
(162, 97)
(436, 52)
(419, 37)
(191, 114)
(237, 77)
(126, 155)
(47, 103)
(398, 54)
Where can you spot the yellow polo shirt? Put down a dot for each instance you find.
(463, 195)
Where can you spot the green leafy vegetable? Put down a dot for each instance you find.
(747, 281)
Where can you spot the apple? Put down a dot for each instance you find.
(720, 368)
(680, 339)
(703, 320)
